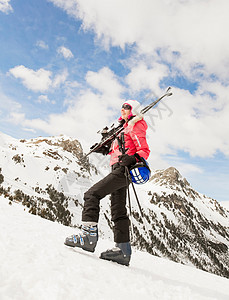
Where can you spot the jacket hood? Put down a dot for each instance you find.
(136, 106)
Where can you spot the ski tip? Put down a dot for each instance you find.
(168, 89)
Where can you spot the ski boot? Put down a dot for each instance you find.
(121, 254)
(86, 240)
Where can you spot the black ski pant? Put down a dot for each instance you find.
(115, 184)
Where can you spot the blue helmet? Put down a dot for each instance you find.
(140, 172)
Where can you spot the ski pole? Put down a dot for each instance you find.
(141, 212)
(123, 150)
(129, 202)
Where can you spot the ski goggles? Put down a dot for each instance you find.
(127, 106)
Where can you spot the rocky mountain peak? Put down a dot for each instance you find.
(65, 143)
(71, 145)
(170, 177)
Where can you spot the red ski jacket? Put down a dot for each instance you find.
(135, 140)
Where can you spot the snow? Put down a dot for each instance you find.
(35, 264)
(225, 204)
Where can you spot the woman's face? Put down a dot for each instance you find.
(125, 111)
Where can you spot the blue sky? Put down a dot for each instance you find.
(66, 67)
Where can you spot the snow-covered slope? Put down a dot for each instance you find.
(225, 204)
(49, 177)
(35, 265)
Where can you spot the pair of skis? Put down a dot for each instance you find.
(109, 136)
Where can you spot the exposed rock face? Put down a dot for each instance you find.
(70, 145)
(170, 177)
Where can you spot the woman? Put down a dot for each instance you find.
(115, 184)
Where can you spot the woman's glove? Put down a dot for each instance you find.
(127, 160)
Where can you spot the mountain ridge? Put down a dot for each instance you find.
(179, 223)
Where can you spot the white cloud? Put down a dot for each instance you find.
(8, 104)
(60, 78)
(7, 107)
(5, 6)
(167, 38)
(16, 118)
(195, 123)
(41, 44)
(40, 80)
(86, 113)
(194, 29)
(44, 99)
(37, 81)
(106, 82)
(29, 130)
(143, 76)
(190, 35)
(67, 53)
(81, 120)
(198, 125)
